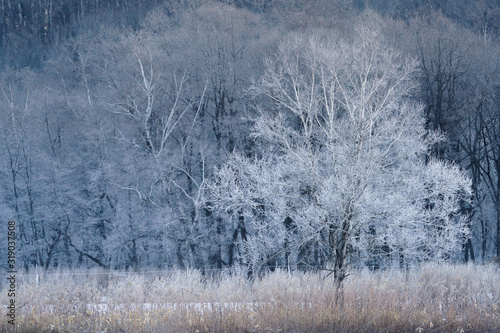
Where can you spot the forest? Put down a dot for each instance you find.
(250, 134)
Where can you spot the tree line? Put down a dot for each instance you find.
(250, 133)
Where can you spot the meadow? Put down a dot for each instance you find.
(432, 298)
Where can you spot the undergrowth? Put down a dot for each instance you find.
(431, 298)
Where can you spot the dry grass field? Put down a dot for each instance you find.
(427, 299)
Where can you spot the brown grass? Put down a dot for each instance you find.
(428, 299)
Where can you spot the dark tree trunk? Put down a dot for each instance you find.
(218, 255)
(468, 249)
(232, 246)
(498, 228)
(338, 244)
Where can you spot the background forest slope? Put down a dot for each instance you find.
(118, 117)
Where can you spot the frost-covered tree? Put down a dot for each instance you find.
(222, 47)
(343, 167)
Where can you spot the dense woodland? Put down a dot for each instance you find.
(125, 123)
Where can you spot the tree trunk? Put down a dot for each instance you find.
(232, 246)
(498, 227)
(497, 201)
(218, 254)
(288, 227)
(338, 246)
(468, 249)
(484, 238)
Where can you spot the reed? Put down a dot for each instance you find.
(431, 298)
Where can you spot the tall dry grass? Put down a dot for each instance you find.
(428, 299)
